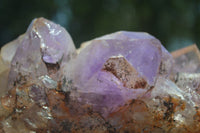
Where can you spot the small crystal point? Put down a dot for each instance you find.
(44, 48)
(55, 42)
(187, 59)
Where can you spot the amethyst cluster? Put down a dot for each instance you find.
(122, 82)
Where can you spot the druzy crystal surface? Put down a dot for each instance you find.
(121, 82)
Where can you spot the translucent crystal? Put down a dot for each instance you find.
(187, 59)
(43, 49)
(128, 44)
(123, 66)
(6, 55)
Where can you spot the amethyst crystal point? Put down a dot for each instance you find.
(44, 48)
(55, 43)
(117, 67)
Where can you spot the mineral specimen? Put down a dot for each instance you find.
(121, 82)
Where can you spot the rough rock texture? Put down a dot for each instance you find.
(122, 82)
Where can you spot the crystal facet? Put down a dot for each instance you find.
(187, 59)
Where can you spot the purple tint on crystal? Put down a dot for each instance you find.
(143, 54)
(44, 42)
(94, 84)
(146, 58)
(106, 93)
(55, 42)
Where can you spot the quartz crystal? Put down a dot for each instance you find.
(187, 60)
(43, 49)
(122, 82)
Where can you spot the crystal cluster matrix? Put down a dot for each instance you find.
(124, 82)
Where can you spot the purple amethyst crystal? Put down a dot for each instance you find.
(44, 48)
(113, 69)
